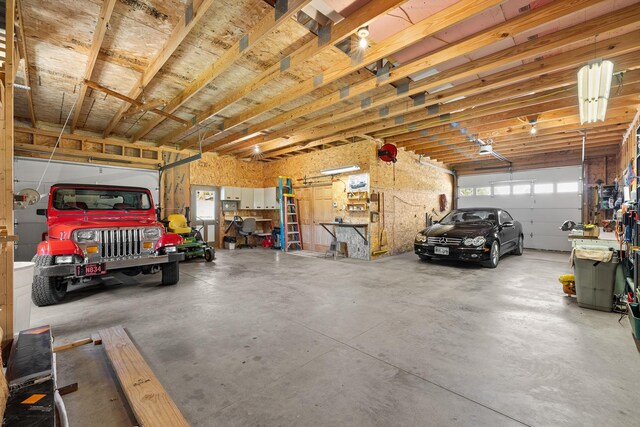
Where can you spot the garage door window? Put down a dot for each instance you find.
(465, 191)
(483, 191)
(543, 188)
(501, 190)
(522, 189)
(567, 187)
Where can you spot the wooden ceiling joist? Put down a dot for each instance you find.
(181, 30)
(516, 25)
(407, 37)
(339, 32)
(22, 49)
(98, 36)
(266, 26)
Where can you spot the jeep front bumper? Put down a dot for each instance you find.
(111, 265)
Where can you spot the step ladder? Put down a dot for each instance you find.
(290, 237)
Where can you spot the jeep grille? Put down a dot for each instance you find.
(120, 243)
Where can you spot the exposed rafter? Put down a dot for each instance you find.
(98, 36)
(22, 49)
(178, 34)
(265, 27)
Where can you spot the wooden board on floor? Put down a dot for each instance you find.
(151, 404)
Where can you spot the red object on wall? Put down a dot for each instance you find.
(387, 153)
(443, 202)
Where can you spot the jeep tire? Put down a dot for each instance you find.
(47, 290)
(170, 273)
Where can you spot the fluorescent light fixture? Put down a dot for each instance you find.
(594, 84)
(341, 169)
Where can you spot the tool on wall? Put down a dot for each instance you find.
(382, 238)
(290, 236)
(388, 153)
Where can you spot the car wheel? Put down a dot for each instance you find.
(47, 290)
(425, 257)
(494, 256)
(519, 250)
(170, 273)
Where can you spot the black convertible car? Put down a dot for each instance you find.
(474, 234)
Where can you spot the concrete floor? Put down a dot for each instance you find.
(265, 338)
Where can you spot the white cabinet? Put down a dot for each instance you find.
(230, 193)
(258, 198)
(270, 198)
(246, 198)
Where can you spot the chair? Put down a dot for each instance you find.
(248, 228)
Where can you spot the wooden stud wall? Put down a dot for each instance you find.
(6, 180)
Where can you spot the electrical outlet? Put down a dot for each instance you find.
(335, 204)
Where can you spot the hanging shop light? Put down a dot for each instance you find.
(594, 84)
(340, 169)
(363, 33)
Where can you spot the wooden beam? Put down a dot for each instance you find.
(98, 36)
(178, 34)
(267, 24)
(71, 345)
(149, 401)
(425, 28)
(132, 101)
(6, 179)
(609, 22)
(22, 48)
(339, 32)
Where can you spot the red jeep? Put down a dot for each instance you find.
(95, 229)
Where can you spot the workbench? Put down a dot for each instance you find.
(348, 225)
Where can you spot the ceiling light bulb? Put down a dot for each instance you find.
(533, 130)
(363, 43)
(363, 32)
(256, 149)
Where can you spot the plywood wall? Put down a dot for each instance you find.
(411, 190)
(175, 186)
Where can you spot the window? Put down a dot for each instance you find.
(567, 187)
(543, 188)
(502, 190)
(522, 189)
(483, 191)
(505, 217)
(465, 191)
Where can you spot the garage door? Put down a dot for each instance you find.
(27, 173)
(541, 199)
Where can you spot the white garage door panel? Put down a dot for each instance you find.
(540, 214)
(556, 201)
(27, 173)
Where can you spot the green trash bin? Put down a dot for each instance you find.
(595, 270)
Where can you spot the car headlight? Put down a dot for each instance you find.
(86, 236)
(151, 233)
(421, 238)
(476, 241)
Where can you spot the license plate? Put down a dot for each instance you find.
(441, 251)
(91, 269)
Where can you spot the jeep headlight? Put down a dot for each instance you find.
(151, 233)
(421, 238)
(86, 236)
(476, 241)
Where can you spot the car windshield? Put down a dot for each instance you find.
(70, 199)
(456, 217)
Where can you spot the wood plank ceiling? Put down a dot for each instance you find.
(263, 80)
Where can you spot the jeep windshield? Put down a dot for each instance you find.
(84, 199)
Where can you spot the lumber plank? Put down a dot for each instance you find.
(71, 345)
(151, 404)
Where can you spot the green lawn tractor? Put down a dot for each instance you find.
(194, 245)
